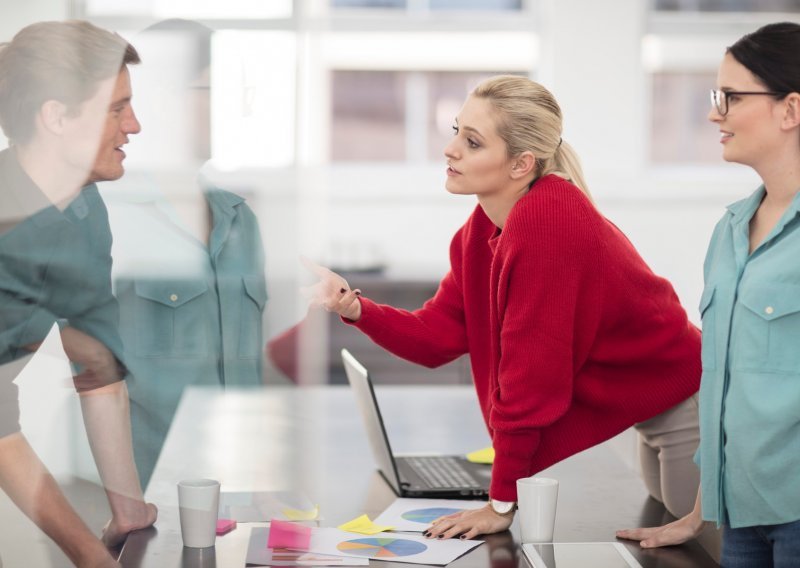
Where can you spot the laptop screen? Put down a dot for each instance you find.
(373, 422)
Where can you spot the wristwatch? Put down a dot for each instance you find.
(503, 508)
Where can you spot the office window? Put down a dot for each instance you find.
(681, 52)
(190, 8)
(491, 5)
(368, 3)
(497, 5)
(348, 94)
(681, 131)
(396, 115)
(253, 98)
(368, 115)
(727, 5)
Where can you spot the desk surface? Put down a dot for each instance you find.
(312, 440)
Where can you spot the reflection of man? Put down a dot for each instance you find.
(65, 105)
(188, 258)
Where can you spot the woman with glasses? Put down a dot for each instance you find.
(749, 453)
(571, 337)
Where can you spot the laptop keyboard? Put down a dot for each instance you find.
(442, 472)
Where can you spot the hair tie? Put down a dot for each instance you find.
(560, 140)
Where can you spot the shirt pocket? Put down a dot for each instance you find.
(172, 318)
(250, 320)
(708, 352)
(769, 338)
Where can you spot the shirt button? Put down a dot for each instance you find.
(769, 310)
(174, 298)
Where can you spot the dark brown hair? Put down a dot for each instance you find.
(771, 54)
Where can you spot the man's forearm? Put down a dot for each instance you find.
(106, 414)
(28, 483)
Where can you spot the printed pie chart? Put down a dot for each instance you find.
(381, 547)
(427, 516)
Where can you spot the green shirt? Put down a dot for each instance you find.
(750, 392)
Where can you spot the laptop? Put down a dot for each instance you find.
(439, 477)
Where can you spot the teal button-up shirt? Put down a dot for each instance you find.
(191, 313)
(55, 266)
(749, 452)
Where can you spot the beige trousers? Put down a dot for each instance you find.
(667, 444)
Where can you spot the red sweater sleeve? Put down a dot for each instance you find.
(432, 335)
(547, 314)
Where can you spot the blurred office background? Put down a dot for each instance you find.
(330, 116)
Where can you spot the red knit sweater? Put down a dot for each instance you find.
(572, 338)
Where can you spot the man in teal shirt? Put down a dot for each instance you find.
(65, 106)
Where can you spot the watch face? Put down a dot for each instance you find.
(502, 507)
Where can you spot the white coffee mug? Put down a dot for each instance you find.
(536, 500)
(198, 502)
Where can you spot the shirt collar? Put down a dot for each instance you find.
(25, 200)
(21, 197)
(223, 198)
(744, 209)
(79, 207)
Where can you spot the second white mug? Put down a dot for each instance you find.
(536, 500)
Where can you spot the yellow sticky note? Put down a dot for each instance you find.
(362, 525)
(297, 515)
(485, 455)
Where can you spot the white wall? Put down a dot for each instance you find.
(16, 14)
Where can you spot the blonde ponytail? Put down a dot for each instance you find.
(567, 165)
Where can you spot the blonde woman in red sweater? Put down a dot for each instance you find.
(571, 337)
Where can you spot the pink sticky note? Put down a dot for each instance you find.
(283, 534)
(225, 526)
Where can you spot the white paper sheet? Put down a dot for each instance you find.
(416, 515)
(259, 555)
(389, 547)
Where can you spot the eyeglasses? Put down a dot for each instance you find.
(719, 99)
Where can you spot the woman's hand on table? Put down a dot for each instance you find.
(469, 524)
(676, 532)
(332, 293)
